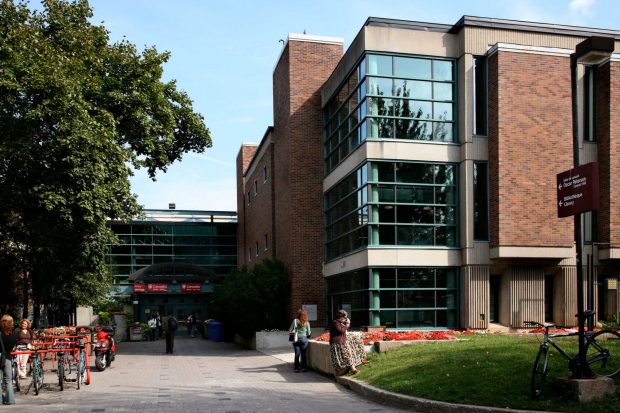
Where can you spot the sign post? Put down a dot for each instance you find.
(577, 192)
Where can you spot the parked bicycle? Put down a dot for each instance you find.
(36, 371)
(15, 368)
(63, 367)
(79, 358)
(602, 353)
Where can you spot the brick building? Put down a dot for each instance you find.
(412, 178)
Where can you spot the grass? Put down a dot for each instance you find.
(480, 369)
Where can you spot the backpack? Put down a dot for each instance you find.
(172, 324)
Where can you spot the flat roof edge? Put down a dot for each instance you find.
(521, 25)
(315, 38)
(407, 24)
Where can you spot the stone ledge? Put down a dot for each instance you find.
(585, 390)
(416, 403)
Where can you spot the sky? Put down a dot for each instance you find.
(223, 54)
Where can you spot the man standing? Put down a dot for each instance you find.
(191, 324)
(153, 328)
(170, 326)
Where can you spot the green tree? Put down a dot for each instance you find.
(77, 113)
(253, 300)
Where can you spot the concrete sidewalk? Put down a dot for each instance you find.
(201, 376)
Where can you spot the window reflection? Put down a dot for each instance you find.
(401, 98)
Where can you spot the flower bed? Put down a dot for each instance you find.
(411, 335)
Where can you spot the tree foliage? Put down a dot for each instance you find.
(76, 113)
(254, 300)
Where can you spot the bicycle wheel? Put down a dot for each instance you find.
(603, 353)
(80, 369)
(37, 375)
(539, 373)
(16, 377)
(61, 374)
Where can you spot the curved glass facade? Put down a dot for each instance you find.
(391, 97)
(386, 203)
(403, 297)
(210, 245)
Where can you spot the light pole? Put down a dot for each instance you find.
(592, 51)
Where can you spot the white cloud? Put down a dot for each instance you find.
(582, 7)
(209, 159)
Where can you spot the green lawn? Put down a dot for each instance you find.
(480, 369)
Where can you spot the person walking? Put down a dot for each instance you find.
(8, 339)
(170, 325)
(152, 328)
(340, 351)
(300, 327)
(24, 343)
(191, 324)
(159, 326)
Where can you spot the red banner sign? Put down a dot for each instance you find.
(191, 287)
(157, 288)
(139, 288)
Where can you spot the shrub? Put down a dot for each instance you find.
(254, 300)
(104, 318)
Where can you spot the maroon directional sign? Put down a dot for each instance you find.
(578, 190)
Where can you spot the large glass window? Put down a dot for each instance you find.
(413, 203)
(480, 95)
(590, 106)
(391, 97)
(212, 246)
(481, 201)
(346, 215)
(397, 297)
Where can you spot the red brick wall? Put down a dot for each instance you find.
(298, 78)
(608, 137)
(260, 211)
(530, 142)
(243, 160)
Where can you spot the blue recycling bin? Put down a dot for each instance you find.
(216, 331)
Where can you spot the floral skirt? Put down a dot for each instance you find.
(341, 356)
(344, 356)
(357, 349)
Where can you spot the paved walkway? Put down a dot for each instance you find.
(202, 376)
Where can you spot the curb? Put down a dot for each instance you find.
(416, 403)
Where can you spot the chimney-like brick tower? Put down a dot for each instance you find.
(304, 66)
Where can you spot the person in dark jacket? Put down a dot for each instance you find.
(170, 325)
(24, 343)
(9, 339)
(341, 354)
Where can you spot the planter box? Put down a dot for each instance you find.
(319, 358)
(264, 340)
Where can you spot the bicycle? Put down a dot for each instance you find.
(63, 368)
(15, 368)
(36, 370)
(600, 347)
(81, 365)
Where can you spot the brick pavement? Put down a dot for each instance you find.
(202, 376)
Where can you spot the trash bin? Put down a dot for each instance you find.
(216, 331)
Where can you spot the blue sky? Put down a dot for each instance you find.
(224, 53)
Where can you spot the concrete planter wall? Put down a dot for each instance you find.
(264, 340)
(319, 358)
